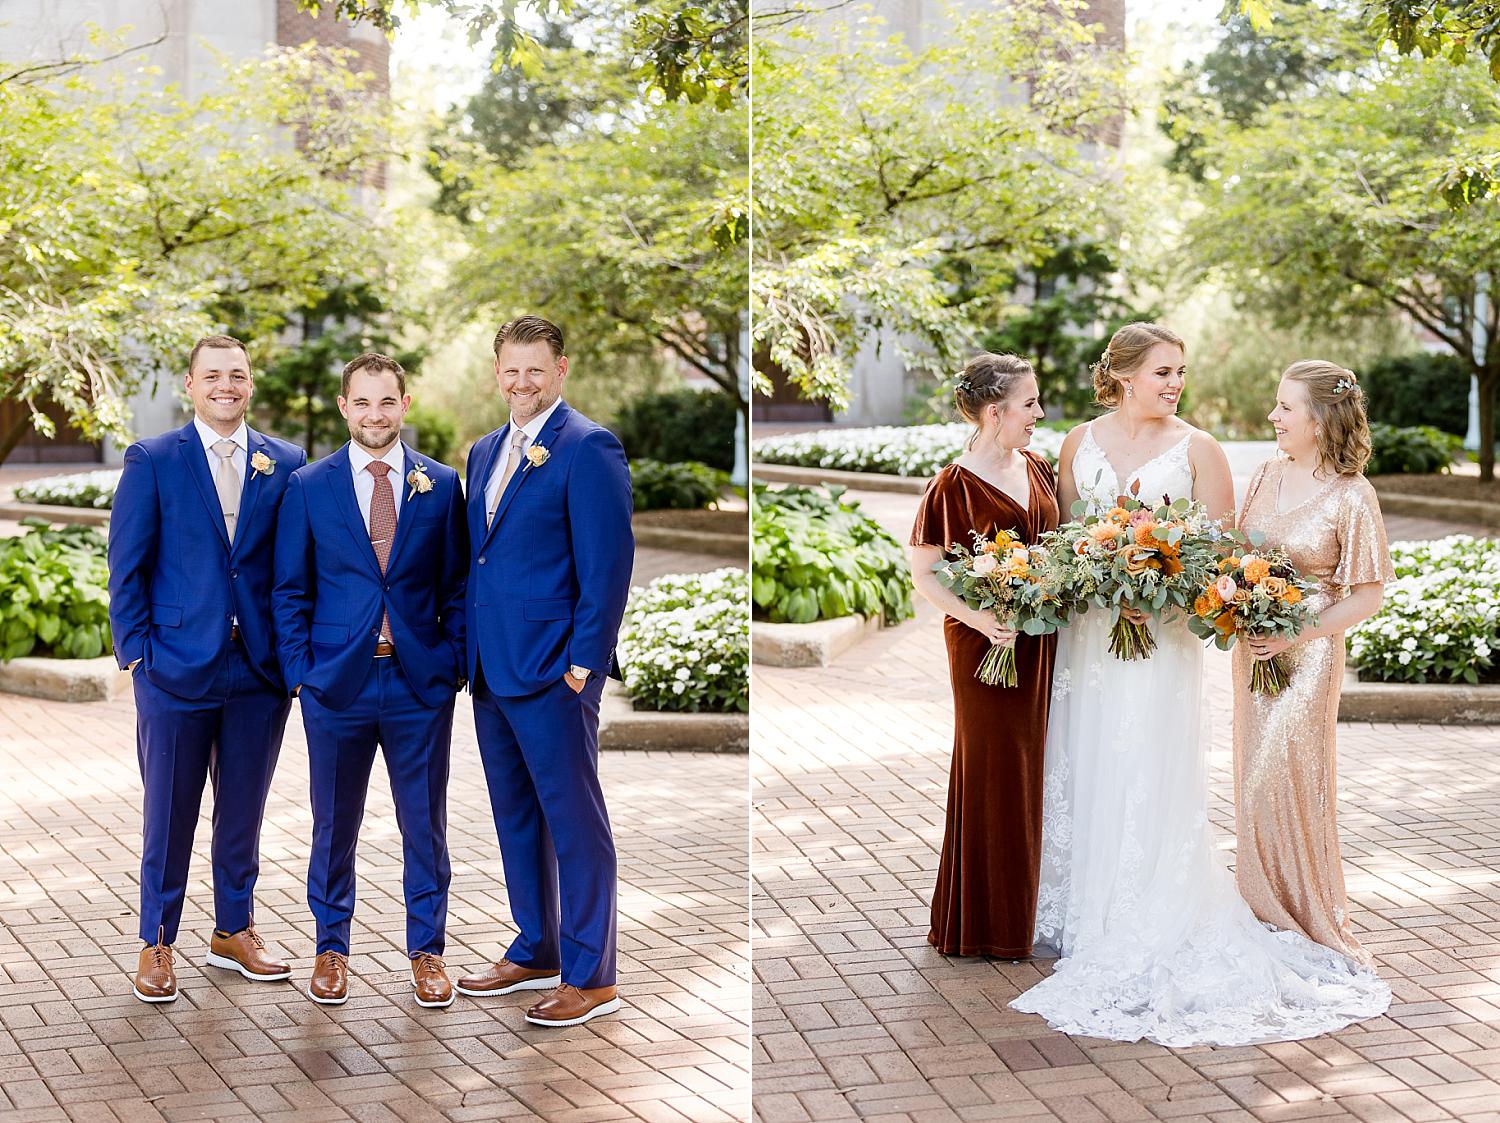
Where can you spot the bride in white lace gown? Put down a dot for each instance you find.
(1155, 940)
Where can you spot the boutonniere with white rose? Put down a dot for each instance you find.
(537, 455)
(419, 480)
(261, 464)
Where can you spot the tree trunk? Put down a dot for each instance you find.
(1489, 382)
(14, 434)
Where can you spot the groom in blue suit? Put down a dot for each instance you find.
(371, 554)
(190, 545)
(549, 516)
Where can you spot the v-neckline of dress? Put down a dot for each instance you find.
(1123, 488)
(1024, 508)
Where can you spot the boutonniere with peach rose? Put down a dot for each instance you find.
(537, 455)
(1255, 592)
(419, 481)
(261, 465)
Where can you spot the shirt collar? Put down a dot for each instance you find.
(240, 436)
(533, 428)
(359, 459)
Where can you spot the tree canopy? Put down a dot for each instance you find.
(132, 214)
(899, 190)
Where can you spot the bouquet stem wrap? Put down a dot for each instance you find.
(998, 667)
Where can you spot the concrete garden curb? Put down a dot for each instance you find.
(808, 645)
(52, 512)
(1411, 703)
(621, 727)
(64, 680)
(1393, 501)
(736, 546)
(857, 481)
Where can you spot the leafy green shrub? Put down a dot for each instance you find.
(817, 556)
(81, 489)
(685, 643)
(54, 593)
(1419, 389)
(1440, 619)
(685, 486)
(436, 432)
(1416, 450)
(679, 425)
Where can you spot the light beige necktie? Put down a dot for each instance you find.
(227, 484)
(518, 438)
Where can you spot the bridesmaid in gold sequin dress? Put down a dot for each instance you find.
(1312, 502)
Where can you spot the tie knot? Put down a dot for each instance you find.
(224, 449)
(377, 468)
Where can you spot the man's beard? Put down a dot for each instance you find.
(376, 439)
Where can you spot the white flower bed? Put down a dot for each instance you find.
(901, 450)
(1440, 620)
(685, 643)
(83, 489)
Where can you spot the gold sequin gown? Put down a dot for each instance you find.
(1288, 866)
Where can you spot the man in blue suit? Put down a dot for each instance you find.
(371, 554)
(549, 516)
(191, 540)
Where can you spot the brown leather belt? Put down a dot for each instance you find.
(384, 649)
(234, 633)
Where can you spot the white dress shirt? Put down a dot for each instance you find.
(241, 439)
(533, 430)
(364, 482)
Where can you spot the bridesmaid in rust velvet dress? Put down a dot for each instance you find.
(984, 902)
(1314, 504)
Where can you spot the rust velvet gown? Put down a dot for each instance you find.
(984, 902)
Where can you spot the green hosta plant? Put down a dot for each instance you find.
(54, 593)
(683, 486)
(817, 556)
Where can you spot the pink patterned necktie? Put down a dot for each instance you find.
(382, 524)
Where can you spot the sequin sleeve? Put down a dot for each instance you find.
(941, 518)
(1255, 481)
(1364, 555)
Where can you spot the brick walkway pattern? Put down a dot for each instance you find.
(856, 1016)
(75, 1044)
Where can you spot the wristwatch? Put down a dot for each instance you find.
(580, 673)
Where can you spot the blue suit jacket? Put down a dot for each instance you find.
(550, 576)
(174, 580)
(330, 593)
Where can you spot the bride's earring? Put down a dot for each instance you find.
(1129, 391)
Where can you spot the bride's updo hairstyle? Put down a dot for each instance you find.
(1126, 351)
(1338, 409)
(988, 379)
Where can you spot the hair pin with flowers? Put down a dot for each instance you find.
(963, 384)
(1343, 386)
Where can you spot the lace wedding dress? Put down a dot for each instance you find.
(1154, 939)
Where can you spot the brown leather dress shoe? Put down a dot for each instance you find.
(155, 980)
(245, 952)
(505, 976)
(330, 979)
(430, 981)
(570, 1006)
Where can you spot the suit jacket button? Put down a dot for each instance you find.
(481, 561)
(234, 573)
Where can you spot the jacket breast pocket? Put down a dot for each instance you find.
(166, 615)
(548, 608)
(330, 633)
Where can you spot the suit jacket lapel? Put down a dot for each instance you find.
(252, 488)
(408, 509)
(518, 481)
(478, 475)
(190, 448)
(342, 482)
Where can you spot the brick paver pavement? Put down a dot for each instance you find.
(74, 1043)
(856, 1016)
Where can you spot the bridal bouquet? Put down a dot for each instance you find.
(1135, 556)
(1255, 593)
(1000, 574)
